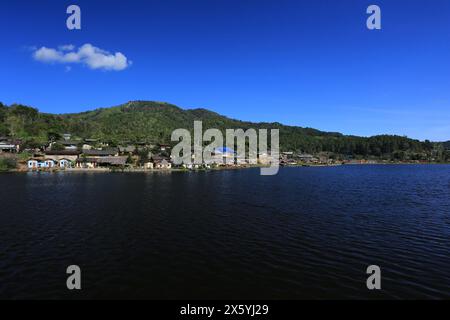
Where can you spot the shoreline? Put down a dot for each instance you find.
(139, 170)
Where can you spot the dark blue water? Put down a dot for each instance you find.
(305, 233)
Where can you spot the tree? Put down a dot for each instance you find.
(130, 159)
(4, 130)
(57, 147)
(143, 156)
(53, 136)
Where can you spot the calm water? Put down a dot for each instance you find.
(305, 233)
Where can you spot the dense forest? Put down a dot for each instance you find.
(153, 122)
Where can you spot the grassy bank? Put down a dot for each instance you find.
(7, 164)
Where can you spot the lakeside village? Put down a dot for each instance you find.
(94, 155)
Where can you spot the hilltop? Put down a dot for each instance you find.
(153, 122)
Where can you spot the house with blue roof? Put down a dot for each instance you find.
(224, 155)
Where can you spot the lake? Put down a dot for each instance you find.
(308, 232)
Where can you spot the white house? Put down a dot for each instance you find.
(224, 155)
(148, 165)
(162, 164)
(33, 164)
(36, 164)
(9, 146)
(64, 163)
(48, 163)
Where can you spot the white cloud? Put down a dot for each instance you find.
(87, 54)
(66, 47)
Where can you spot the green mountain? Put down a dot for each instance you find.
(447, 145)
(153, 122)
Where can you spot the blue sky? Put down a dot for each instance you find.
(307, 63)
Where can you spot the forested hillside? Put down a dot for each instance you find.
(153, 122)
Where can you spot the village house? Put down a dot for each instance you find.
(224, 155)
(86, 146)
(9, 146)
(265, 158)
(324, 159)
(148, 165)
(192, 166)
(65, 163)
(70, 144)
(57, 155)
(67, 144)
(130, 149)
(110, 152)
(161, 162)
(307, 158)
(142, 145)
(287, 155)
(33, 163)
(287, 158)
(54, 159)
(101, 162)
(91, 141)
(164, 147)
(94, 158)
(38, 163)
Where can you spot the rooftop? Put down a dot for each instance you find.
(105, 152)
(69, 142)
(224, 150)
(62, 152)
(106, 160)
